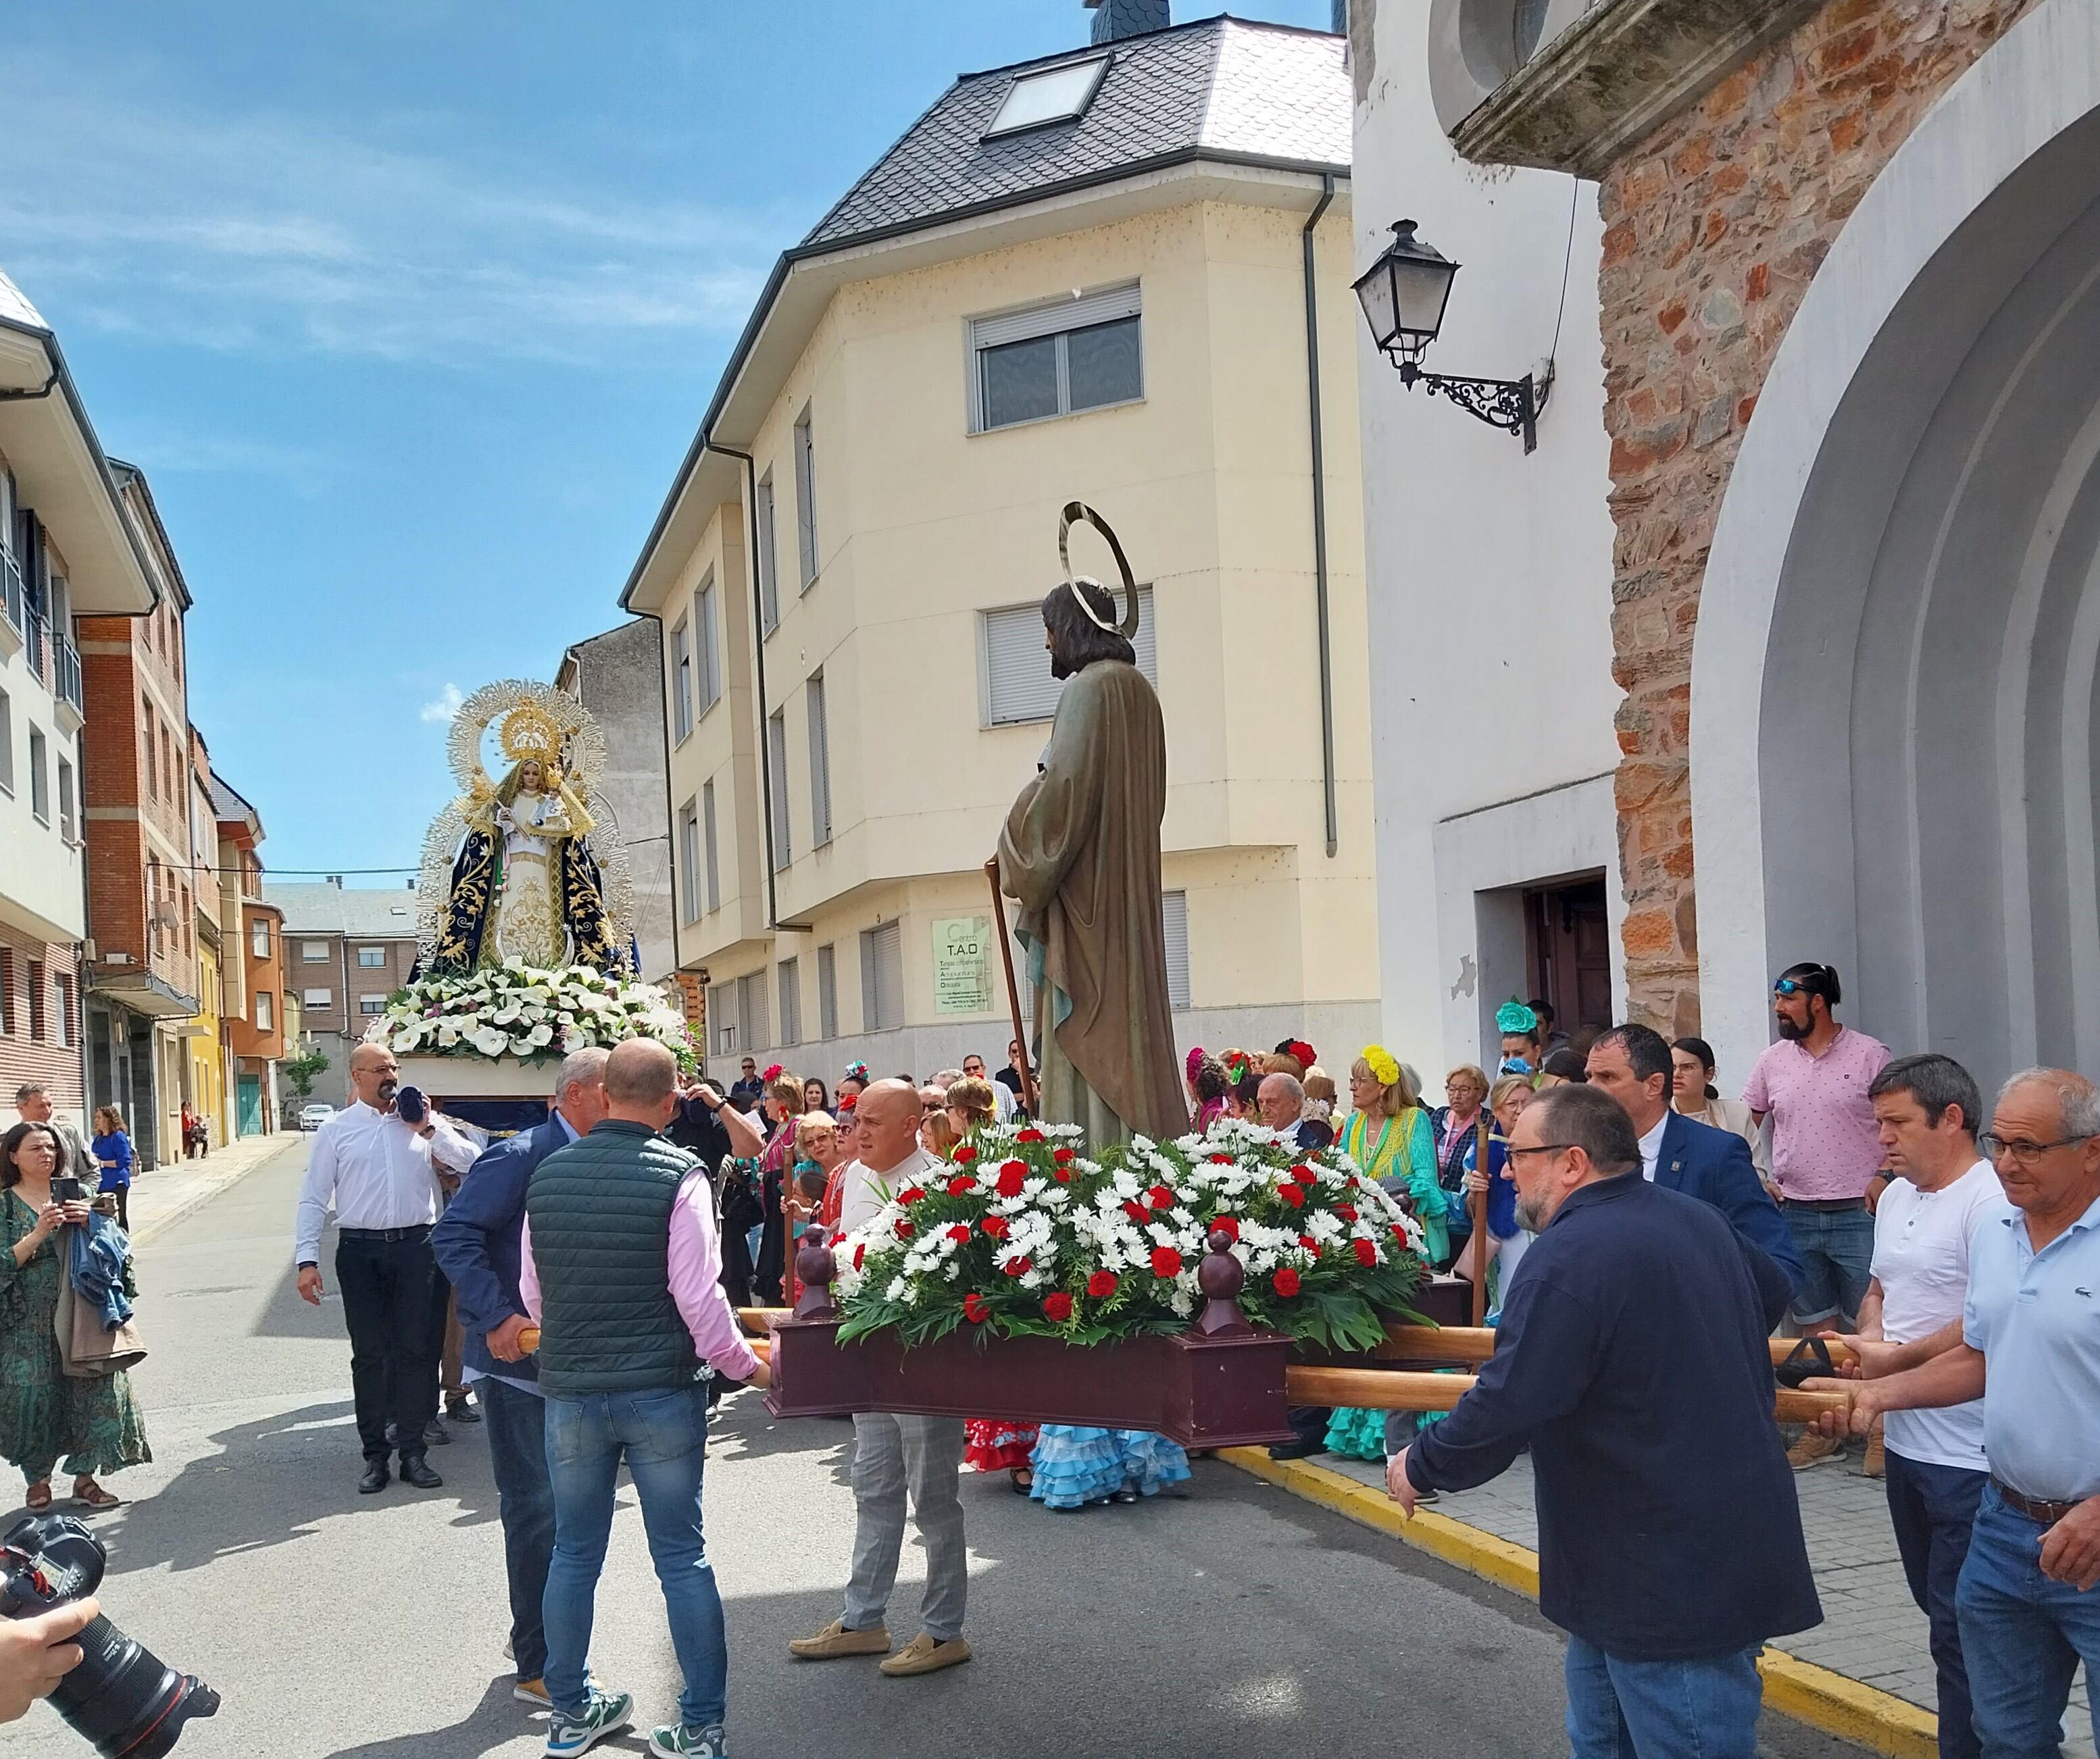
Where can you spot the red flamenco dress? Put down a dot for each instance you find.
(997, 1445)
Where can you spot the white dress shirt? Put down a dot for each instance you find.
(376, 1171)
(1650, 1148)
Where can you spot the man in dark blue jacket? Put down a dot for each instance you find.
(476, 1245)
(1632, 1360)
(1632, 1065)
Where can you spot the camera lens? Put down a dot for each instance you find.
(125, 1700)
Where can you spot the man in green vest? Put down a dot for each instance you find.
(620, 1267)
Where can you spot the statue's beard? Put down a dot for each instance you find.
(1061, 667)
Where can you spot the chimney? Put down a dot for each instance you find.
(1114, 19)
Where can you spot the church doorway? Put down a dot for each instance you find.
(1567, 938)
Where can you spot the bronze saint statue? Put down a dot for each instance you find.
(1080, 854)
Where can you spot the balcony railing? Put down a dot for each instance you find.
(33, 654)
(11, 588)
(65, 673)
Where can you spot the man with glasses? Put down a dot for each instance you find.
(1826, 1155)
(2029, 1348)
(1632, 1361)
(1004, 1102)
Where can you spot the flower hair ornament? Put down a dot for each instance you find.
(1194, 1062)
(773, 1073)
(1513, 1016)
(1298, 1051)
(855, 1071)
(1384, 1065)
(1237, 1070)
(1078, 513)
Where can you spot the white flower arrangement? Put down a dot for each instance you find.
(517, 1009)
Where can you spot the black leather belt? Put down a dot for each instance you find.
(420, 1231)
(1828, 1205)
(2048, 1513)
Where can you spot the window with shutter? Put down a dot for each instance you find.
(827, 992)
(721, 1017)
(1018, 684)
(713, 857)
(776, 754)
(751, 1011)
(1174, 919)
(820, 765)
(882, 977)
(689, 862)
(1056, 359)
(682, 680)
(769, 584)
(707, 657)
(805, 499)
(790, 975)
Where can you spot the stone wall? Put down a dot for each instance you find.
(1714, 227)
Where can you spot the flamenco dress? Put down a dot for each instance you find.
(996, 1445)
(1076, 1466)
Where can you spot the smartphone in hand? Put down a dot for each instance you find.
(410, 1106)
(67, 1189)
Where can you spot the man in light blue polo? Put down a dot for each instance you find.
(2030, 1345)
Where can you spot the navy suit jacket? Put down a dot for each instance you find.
(476, 1242)
(1714, 1166)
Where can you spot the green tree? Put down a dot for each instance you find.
(303, 1070)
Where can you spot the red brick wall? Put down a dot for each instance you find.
(24, 1056)
(1714, 225)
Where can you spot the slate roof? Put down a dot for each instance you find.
(15, 306)
(228, 802)
(367, 913)
(1223, 87)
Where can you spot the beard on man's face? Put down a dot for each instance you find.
(1789, 1027)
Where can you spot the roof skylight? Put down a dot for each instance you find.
(1057, 95)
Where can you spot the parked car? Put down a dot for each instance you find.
(314, 1116)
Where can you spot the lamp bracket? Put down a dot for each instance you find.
(1513, 405)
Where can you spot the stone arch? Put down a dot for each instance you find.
(1894, 723)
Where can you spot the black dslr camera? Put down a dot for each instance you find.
(122, 1697)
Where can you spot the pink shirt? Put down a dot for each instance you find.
(1824, 1141)
(695, 1256)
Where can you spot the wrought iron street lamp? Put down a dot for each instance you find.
(1403, 295)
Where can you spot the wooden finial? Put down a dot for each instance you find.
(1221, 1277)
(815, 1268)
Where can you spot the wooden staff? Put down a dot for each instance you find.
(1483, 1161)
(1013, 988)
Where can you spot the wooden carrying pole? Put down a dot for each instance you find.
(1012, 988)
(1466, 1344)
(1373, 1388)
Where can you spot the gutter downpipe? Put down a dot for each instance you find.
(1320, 515)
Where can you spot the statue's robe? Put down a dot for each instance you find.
(1080, 854)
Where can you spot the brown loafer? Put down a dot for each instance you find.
(835, 1640)
(922, 1654)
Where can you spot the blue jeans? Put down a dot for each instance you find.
(662, 1436)
(1932, 1509)
(1837, 1249)
(1707, 1709)
(2023, 1636)
(525, 1500)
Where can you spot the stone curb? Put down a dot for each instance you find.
(1876, 1720)
(217, 1186)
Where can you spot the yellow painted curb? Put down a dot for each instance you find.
(1824, 1699)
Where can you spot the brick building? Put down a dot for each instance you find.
(142, 983)
(68, 547)
(345, 950)
(252, 938)
(1831, 497)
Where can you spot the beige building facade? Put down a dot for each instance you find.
(1021, 305)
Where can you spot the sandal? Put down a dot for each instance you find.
(1024, 1480)
(38, 1498)
(91, 1495)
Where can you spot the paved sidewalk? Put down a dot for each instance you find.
(1871, 1631)
(166, 1196)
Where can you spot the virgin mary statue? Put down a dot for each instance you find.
(524, 884)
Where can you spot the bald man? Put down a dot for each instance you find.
(377, 1170)
(894, 1453)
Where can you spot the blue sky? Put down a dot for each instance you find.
(408, 310)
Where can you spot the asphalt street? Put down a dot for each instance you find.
(1235, 1620)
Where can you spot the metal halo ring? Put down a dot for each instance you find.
(1077, 512)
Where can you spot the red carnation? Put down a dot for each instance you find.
(995, 1227)
(1293, 1194)
(959, 1232)
(1400, 1236)
(1166, 1262)
(960, 1184)
(1221, 1160)
(1160, 1198)
(1011, 1172)
(1304, 1175)
(1137, 1212)
(1284, 1282)
(964, 1155)
(1017, 1267)
(905, 1230)
(1227, 1225)
(974, 1309)
(1028, 1135)
(1346, 1212)
(1308, 1242)
(1057, 1308)
(1367, 1252)
(1062, 1174)
(910, 1194)
(1101, 1285)
(1063, 1157)
(860, 1252)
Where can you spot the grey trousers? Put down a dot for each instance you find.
(924, 1455)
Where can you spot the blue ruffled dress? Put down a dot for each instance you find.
(1073, 1467)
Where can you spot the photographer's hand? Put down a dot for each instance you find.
(310, 1284)
(35, 1654)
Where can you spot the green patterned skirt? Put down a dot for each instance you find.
(45, 1412)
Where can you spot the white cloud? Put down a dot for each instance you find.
(447, 705)
(255, 231)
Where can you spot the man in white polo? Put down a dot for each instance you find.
(894, 1453)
